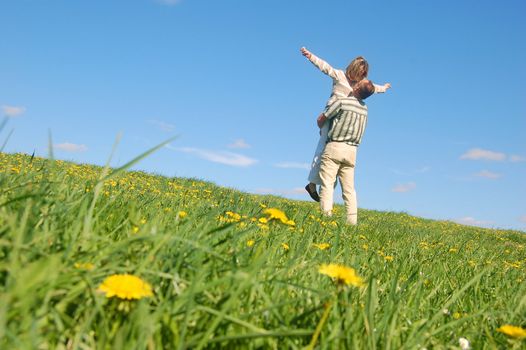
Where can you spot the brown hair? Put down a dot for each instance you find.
(357, 69)
(363, 89)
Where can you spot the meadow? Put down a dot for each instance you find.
(101, 258)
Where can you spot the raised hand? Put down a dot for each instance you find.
(305, 52)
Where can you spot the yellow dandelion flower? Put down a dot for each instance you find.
(388, 258)
(125, 286)
(285, 246)
(365, 247)
(84, 266)
(321, 246)
(182, 214)
(234, 217)
(143, 221)
(515, 265)
(276, 214)
(250, 243)
(512, 331)
(457, 315)
(427, 283)
(135, 229)
(263, 220)
(342, 274)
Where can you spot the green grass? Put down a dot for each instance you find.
(428, 283)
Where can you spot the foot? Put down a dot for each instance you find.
(311, 189)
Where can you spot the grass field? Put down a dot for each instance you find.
(225, 272)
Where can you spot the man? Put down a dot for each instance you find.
(348, 118)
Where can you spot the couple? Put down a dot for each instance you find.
(342, 125)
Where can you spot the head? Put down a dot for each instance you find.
(363, 89)
(357, 69)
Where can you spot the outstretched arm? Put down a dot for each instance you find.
(319, 63)
(378, 89)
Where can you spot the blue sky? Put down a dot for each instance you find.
(227, 78)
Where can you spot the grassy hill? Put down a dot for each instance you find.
(214, 268)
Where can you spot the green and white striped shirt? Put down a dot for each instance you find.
(348, 118)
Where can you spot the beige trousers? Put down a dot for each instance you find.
(338, 160)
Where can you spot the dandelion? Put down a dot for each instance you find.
(512, 331)
(135, 229)
(342, 274)
(457, 315)
(250, 243)
(84, 266)
(290, 223)
(285, 246)
(321, 246)
(515, 265)
(388, 258)
(125, 286)
(276, 214)
(263, 220)
(234, 216)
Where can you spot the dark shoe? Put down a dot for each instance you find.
(312, 192)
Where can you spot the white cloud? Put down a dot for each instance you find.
(239, 143)
(421, 170)
(488, 174)
(222, 157)
(169, 2)
(292, 165)
(468, 220)
(12, 111)
(404, 187)
(482, 154)
(516, 159)
(70, 147)
(523, 219)
(281, 192)
(162, 125)
(424, 169)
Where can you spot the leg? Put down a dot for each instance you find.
(328, 171)
(314, 174)
(346, 175)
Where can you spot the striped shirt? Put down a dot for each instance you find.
(348, 120)
(340, 83)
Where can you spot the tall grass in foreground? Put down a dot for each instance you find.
(223, 275)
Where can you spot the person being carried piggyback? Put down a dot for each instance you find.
(342, 86)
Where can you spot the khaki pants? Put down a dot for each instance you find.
(338, 160)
